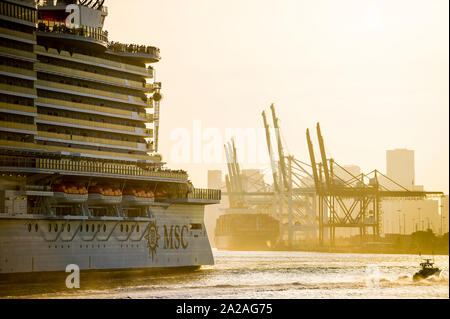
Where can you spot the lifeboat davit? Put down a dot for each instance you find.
(69, 193)
(136, 196)
(104, 195)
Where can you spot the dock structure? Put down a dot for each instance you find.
(349, 200)
(294, 189)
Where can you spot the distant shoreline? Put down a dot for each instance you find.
(340, 250)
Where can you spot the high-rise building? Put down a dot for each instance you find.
(406, 216)
(400, 167)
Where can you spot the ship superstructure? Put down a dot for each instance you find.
(81, 180)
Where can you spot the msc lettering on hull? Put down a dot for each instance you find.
(174, 238)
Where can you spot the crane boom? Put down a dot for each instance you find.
(280, 148)
(324, 157)
(237, 169)
(269, 148)
(313, 160)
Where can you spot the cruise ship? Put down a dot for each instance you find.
(81, 179)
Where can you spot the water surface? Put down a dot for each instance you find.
(262, 275)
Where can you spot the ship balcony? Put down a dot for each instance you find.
(90, 76)
(93, 109)
(29, 38)
(19, 14)
(18, 91)
(93, 141)
(198, 196)
(18, 54)
(15, 127)
(18, 109)
(92, 125)
(84, 35)
(141, 116)
(18, 72)
(94, 61)
(93, 93)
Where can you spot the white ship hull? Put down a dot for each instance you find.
(46, 244)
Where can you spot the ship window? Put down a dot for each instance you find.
(68, 227)
(98, 227)
(196, 226)
(36, 227)
(87, 228)
(56, 228)
(49, 227)
(137, 228)
(121, 228)
(81, 228)
(93, 227)
(127, 228)
(29, 227)
(104, 228)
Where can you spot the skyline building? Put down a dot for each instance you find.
(400, 167)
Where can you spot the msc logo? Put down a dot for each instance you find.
(152, 238)
(174, 237)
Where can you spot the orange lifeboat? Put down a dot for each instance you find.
(104, 195)
(69, 193)
(137, 196)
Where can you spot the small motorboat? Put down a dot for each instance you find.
(427, 270)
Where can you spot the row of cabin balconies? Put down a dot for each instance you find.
(21, 73)
(94, 109)
(94, 93)
(99, 62)
(32, 111)
(17, 54)
(95, 141)
(20, 36)
(73, 150)
(18, 109)
(18, 127)
(93, 125)
(90, 76)
(18, 90)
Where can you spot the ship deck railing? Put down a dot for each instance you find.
(133, 48)
(62, 28)
(196, 196)
(87, 167)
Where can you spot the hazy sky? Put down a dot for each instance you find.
(373, 73)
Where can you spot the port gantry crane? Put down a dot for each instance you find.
(238, 193)
(293, 184)
(352, 201)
